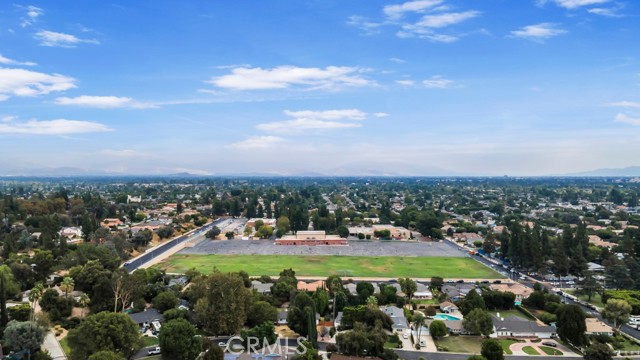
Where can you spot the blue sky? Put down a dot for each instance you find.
(349, 87)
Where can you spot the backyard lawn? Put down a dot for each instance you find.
(461, 344)
(346, 266)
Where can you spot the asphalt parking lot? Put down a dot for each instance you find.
(355, 248)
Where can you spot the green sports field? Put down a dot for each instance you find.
(352, 266)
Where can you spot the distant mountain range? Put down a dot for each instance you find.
(345, 170)
(627, 171)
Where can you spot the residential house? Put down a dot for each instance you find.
(597, 327)
(145, 318)
(455, 327)
(282, 317)
(520, 291)
(514, 326)
(312, 286)
(400, 323)
(457, 291)
(71, 232)
(448, 307)
(260, 287)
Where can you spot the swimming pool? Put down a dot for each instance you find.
(445, 317)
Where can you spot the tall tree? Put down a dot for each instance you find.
(616, 311)
(223, 308)
(598, 351)
(408, 287)
(105, 331)
(571, 324)
(489, 243)
(178, 340)
(472, 301)
(479, 322)
(492, 350)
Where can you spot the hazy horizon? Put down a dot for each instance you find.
(413, 88)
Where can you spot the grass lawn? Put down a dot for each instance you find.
(530, 351)
(427, 302)
(505, 345)
(65, 346)
(628, 345)
(461, 344)
(346, 266)
(150, 341)
(550, 351)
(390, 345)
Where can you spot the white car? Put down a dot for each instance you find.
(423, 343)
(222, 344)
(405, 336)
(154, 351)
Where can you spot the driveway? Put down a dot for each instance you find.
(517, 348)
(52, 345)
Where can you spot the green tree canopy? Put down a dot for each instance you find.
(571, 324)
(114, 332)
(492, 350)
(25, 335)
(178, 340)
(437, 329)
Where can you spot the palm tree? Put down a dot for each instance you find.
(418, 323)
(34, 295)
(67, 286)
(84, 302)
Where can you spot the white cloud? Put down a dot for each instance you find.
(33, 12)
(405, 82)
(299, 125)
(348, 114)
(574, 4)
(609, 12)
(257, 142)
(57, 39)
(397, 60)
(103, 102)
(21, 82)
(362, 23)
(286, 77)
(51, 127)
(398, 10)
(538, 32)
(446, 19)
(627, 104)
(7, 61)
(380, 114)
(437, 82)
(317, 120)
(624, 118)
(426, 27)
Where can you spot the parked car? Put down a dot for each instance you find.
(405, 336)
(549, 343)
(460, 281)
(423, 343)
(497, 282)
(154, 351)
